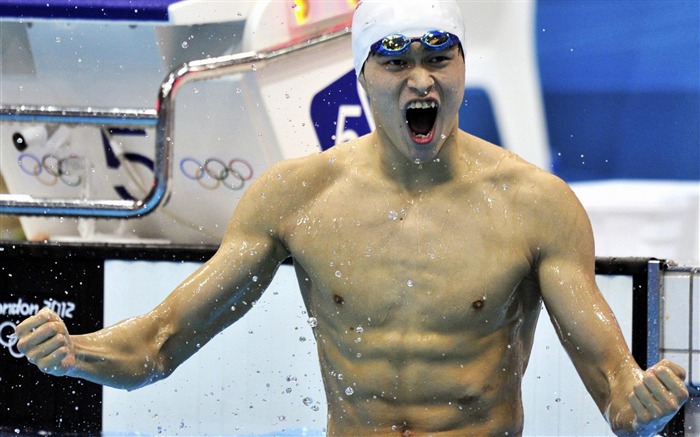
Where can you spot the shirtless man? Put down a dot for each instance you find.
(434, 246)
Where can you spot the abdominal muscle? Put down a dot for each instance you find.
(421, 384)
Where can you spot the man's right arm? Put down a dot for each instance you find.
(144, 349)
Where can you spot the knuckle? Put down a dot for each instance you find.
(21, 345)
(672, 404)
(54, 327)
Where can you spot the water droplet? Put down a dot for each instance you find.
(393, 215)
(291, 378)
(410, 283)
(255, 279)
(307, 401)
(312, 322)
(58, 39)
(359, 330)
(238, 90)
(338, 274)
(253, 67)
(349, 391)
(185, 44)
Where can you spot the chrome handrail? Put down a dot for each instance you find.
(163, 120)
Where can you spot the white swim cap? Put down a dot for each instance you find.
(375, 19)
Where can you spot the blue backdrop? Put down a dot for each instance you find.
(621, 85)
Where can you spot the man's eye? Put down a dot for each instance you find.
(439, 59)
(395, 63)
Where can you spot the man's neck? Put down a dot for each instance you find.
(416, 176)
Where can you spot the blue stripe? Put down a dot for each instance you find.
(132, 10)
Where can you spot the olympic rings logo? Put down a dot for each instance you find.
(50, 169)
(8, 339)
(214, 172)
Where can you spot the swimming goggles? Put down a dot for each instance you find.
(396, 43)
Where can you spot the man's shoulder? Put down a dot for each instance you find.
(500, 163)
(296, 179)
(534, 185)
(312, 168)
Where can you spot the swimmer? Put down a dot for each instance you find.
(447, 298)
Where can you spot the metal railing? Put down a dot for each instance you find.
(163, 120)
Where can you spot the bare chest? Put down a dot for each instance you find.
(441, 263)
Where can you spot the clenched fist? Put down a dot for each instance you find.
(658, 396)
(44, 340)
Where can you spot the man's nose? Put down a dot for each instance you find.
(420, 81)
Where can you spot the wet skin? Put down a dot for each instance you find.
(424, 259)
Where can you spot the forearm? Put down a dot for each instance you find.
(125, 356)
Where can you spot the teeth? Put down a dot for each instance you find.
(421, 105)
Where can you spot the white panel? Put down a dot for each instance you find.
(555, 400)
(251, 379)
(696, 314)
(676, 311)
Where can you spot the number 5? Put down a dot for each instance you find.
(344, 112)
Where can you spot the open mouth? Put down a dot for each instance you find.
(420, 118)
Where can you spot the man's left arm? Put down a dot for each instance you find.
(635, 402)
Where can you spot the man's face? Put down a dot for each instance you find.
(415, 98)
